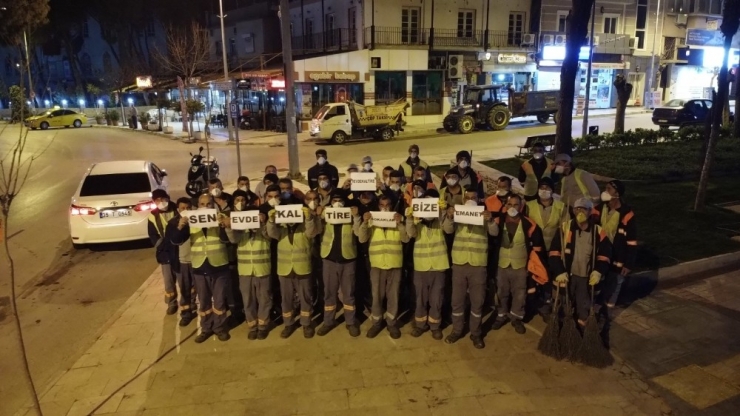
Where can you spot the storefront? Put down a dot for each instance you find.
(509, 68)
(319, 88)
(691, 80)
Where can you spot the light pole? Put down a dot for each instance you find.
(290, 114)
(227, 94)
(652, 59)
(584, 129)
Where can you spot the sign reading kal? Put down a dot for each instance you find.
(338, 215)
(328, 76)
(363, 181)
(465, 214)
(289, 214)
(425, 207)
(245, 220)
(383, 219)
(202, 218)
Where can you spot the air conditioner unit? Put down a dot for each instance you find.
(596, 41)
(548, 39)
(528, 39)
(560, 39)
(682, 19)
(455, 66)
(633, 43)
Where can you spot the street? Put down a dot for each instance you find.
(68, 295)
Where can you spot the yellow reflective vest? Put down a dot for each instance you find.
(385, 248)
(164, 218)
(208, 247)
(296, 256)
(430, 248)
(531, 183)
(513, 252)
(549, 230)
(253, 254)
(349, 249)
(470, 245)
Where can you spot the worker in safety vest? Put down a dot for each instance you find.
(534, 169)
(211, 271)
(165, 252)
(469, 260)
(419, 176)
(495, 203)
(412, 162)
(453, 193)
(521, 251)
(385, 250)
(431, 263)
(293, 263)
(575, 183)
(618, 220)
(184, 270)
(254, 268)
(579, 256)
(466, 175)
(339, 251)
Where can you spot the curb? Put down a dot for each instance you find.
(693, 270)
(175, 137)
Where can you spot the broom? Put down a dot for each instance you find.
(548, 344)
(570, 338)
(592, 351)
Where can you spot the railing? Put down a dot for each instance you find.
(396, 36)
(335, 40)
(444, 38)
(461, 38)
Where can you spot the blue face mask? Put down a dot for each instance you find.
(286, 194)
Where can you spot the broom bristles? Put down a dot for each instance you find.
(549, 344)
(592, 351)
(570, 338)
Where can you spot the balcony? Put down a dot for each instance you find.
(336, 40)
(695, 7)
(445, 39)
(614, 43)
(396, 36)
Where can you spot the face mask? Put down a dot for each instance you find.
(413, 155)
(452, 182)
(238, 206)
(215, 192)
(559, 169)
(502, 192)
(324, 184)
(273, 202)
(244, 188)
(338, 204)
(471, 203)
(544, 193)
(384, 209)
(368, 166)
(395, 187)
(606, 196)
(463, 164)
(321, 160)
(581, 217)
(162, 206)
(512, 212)
(286, 194)
(538, 156)
(419, 194)
(312, 205)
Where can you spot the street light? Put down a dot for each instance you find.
(100, 103)
(227, 94)
(46, 103)
(64, 103)
(82, 102)
(130, 101)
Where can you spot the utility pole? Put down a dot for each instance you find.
(584, 130)
(290, 117)
(227, 94)
(652, 58)
(31, 92)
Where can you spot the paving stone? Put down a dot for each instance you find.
(373, 397)
(468, 406)
(382, 376)
(505, 404)
(697, 386)
(426, 391)
(425, 372)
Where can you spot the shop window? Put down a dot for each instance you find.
(465, 23)
(611, 22)
(516, 28)
(410, 25)
(426, 93)
(390, 86)
(562, 21)
(315, 96)
(641, 23)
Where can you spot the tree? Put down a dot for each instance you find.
(624, 90)
(730, 24)
(577, 29)
(19, 16)
(18, 105)
(194, 107)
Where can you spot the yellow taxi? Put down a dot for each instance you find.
(56, 117)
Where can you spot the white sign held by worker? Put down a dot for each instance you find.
(425, 207)
(202, 218)
(363, 181)
(289, 214)
(382, 219)
(338, 215)
(245, 220)
(466, 214)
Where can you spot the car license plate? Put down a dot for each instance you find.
(115, 213)
(662, 121)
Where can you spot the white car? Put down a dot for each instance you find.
(113, 202)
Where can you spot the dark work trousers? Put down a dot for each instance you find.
(406, 297)
(257, 297)
(170, 288)
(512, 287)
(385, 286)
(187, 288)
(302, 286)
(612, 286)
(339, 276)
(363, 287)
(134, 122)
(211, 289)
(233, 294)
(580, 294)
(275, 281)
(430, 288)
(467, 279)
(317, 276)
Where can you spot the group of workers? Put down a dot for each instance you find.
(527, 246)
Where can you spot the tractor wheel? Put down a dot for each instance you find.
(339, 137)
(498, 117)
(386, 134)
(449, 124)
(542, 118)
(465, 124)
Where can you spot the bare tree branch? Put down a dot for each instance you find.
(188, 50)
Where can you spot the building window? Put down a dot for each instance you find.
(150, 29)
(248, 43)
(329, 36)
(704, 6)
(232, 48)
(426, 92)
(465, 23)
(410, 25)
(641, 23)
(561, 24)
(352, 25)
(390, 86)
(107, 64)
(308, 34)
(86, 65)
(85, 30)
(677, 6)
(516, 28)
(610, 23)
(218, 49)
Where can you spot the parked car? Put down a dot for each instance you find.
(56, 118)
(113, 201)
(682, 113)
(167, 114)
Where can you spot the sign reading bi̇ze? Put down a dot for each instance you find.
(425, 207)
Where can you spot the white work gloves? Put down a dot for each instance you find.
(562, 279)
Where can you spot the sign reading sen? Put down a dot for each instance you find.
(289, 214)
(363, 181)
(202, 218)
(465, 214)
(383, 219)
(425, 207)
(338, 215)
(245, 220)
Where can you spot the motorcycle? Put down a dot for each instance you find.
(201, 170)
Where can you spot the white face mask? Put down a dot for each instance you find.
(244, 188)
(273, 202)
(463, 164)
(419, 194)
(559, 169)
(312, 205)
(452, 182)
(321, 160)
(544, 194)
(538, 156)
(324, 184)
(368, 166)
(338, 204)
(395, 187)
(502, 192)
(215, 192)
(606, 196)
(512, 212)
(162, 206)
(238, 206)
(471, 203)
(413, 155)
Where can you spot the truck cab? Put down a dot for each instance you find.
(331, 118)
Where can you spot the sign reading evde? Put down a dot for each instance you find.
(245, 220)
